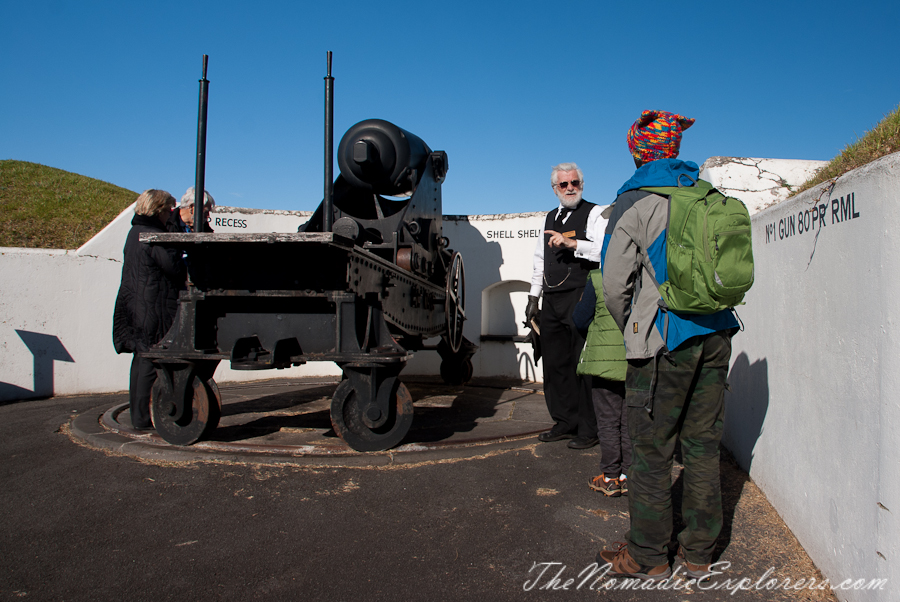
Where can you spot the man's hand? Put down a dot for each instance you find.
(531, 310)
(557, 240)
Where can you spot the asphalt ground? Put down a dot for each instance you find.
(93, 512)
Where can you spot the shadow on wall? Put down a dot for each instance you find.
(502, 326)
(746, 407)
(46, 349)
(528, 368)
(482, 259)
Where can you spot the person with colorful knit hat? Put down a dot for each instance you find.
(675, 378)
(657, 135)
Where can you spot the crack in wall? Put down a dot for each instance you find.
(101, 257)
(777, 187)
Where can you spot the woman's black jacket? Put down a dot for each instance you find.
(148, 296)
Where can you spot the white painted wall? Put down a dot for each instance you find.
(108, 243)
(497, 250)
(816, 391)
(759, 183)
(60, 303)
(498, 253)
(815, 407)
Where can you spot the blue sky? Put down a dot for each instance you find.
(508, 89)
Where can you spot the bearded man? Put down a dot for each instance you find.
(569, 249)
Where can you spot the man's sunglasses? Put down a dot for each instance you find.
(574, 183)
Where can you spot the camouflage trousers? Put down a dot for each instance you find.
(687, 406)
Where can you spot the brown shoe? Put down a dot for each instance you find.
(608, 487)
(623, 565)
(700, 572)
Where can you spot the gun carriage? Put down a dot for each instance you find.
(367, 280)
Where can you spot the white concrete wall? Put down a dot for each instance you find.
(498, 253)
(497, 250)
(56, 308)
(816, 391)
(759, 183)
(814, 415)
(56, 329)
(108, 242)
(62, 304)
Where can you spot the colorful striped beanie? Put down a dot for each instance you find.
(657, 135)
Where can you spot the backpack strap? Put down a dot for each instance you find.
(665, 191)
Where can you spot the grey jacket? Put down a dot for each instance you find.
(635, 257)
(630, 294)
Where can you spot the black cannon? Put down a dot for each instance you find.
(368, 279)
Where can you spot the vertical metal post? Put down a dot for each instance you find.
(328, 201)
(200, 180)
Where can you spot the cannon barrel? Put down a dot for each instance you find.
(377, 155)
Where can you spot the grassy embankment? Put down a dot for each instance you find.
(881, 140)
(46, 208)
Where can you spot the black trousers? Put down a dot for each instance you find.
(568, 395)
(612, 426)
(143, 375)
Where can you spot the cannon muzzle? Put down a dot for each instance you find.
(377, 155)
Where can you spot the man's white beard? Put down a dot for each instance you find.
(569, 201)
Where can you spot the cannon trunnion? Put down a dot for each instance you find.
(363, 295)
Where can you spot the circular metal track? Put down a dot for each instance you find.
(199, 420)
(455, 304)
(348, 417)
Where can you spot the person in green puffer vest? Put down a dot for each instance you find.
(603, 359)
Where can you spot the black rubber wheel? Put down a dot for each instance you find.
(454, 372)
(349, 421)
(201, 418)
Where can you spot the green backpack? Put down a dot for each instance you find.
(709, 251)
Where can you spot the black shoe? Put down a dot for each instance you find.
(557, 433)
(583, 442)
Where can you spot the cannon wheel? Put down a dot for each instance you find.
(203, 418)
(456, 372)
(348, 418)
(455, 304)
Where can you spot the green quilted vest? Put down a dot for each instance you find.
(604, 349)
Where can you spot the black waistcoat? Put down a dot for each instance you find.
(562, 270)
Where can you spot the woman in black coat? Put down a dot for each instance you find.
(148, 298)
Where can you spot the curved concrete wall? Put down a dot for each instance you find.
(69, 349)
(815, 404)
(815, 386)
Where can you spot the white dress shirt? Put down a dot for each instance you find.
(586, 249)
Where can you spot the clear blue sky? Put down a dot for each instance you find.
(110, 89)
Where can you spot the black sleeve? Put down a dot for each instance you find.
(583, 314)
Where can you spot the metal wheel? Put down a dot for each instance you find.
(198, 420)
(455, 372)
(352, 419)
(455, 304)
(218, 395)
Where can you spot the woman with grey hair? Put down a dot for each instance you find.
(147, 299)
